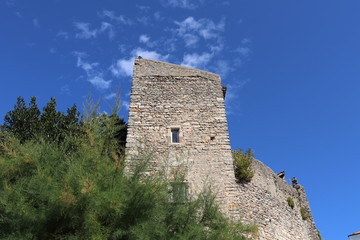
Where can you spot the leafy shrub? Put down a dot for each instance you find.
(242, 165)
(290, 202)
(48, 192)
(304, 214)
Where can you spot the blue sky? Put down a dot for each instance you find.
(292, 69)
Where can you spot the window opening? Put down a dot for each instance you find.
(175, 135)
(179, 192)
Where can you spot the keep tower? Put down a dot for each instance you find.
(179, 112)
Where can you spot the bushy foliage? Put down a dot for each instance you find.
(49, 192)
(304, 214)
(242, 165)
(29, 123)
(290, 202)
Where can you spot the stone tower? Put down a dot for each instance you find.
(180, 112)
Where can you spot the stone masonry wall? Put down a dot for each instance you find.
(263, 201)
(166, 96)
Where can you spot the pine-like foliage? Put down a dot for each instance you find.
(242, 165)
(49, 192)
(29, 123)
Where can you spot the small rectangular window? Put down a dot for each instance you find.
(179, 192)
(175, 135)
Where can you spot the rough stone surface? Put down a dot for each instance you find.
(263, 201)
(165, 96)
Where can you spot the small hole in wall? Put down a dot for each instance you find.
(212, 138)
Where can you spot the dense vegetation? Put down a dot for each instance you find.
(62, 177)
(242, 165)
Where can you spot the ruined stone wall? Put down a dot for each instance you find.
(263, 201)
(166, 96)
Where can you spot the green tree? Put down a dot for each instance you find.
(47, 192)
(23, 121)
(28, 123)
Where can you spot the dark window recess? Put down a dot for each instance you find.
(179, 192)
(175, 135)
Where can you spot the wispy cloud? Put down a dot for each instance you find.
(191, 30)
(112, 16)
(124, 66)
(108, 27)
(222, 67)
(85, 31)
(144, 38)
(110, 96)
(158, 16)
(196, 60)
(188, 4)
(125, 104)
(93, 74)
(244, 51)
(99, 82)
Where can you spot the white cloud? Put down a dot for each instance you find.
(190, 39)
(244, 51)
(111, 15)
(144, 38)
(36, 22)
(125, 104)
(84, 30)
(150, 54)
(222, 67)
(93, 74)
(99, 82)
(122, 48)
(196, 60)
(108, 27)
(124, 67)
(158, 16)
(110, 96)
(188, 4)
(191, 29)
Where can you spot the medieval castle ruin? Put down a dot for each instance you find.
(180, 112)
